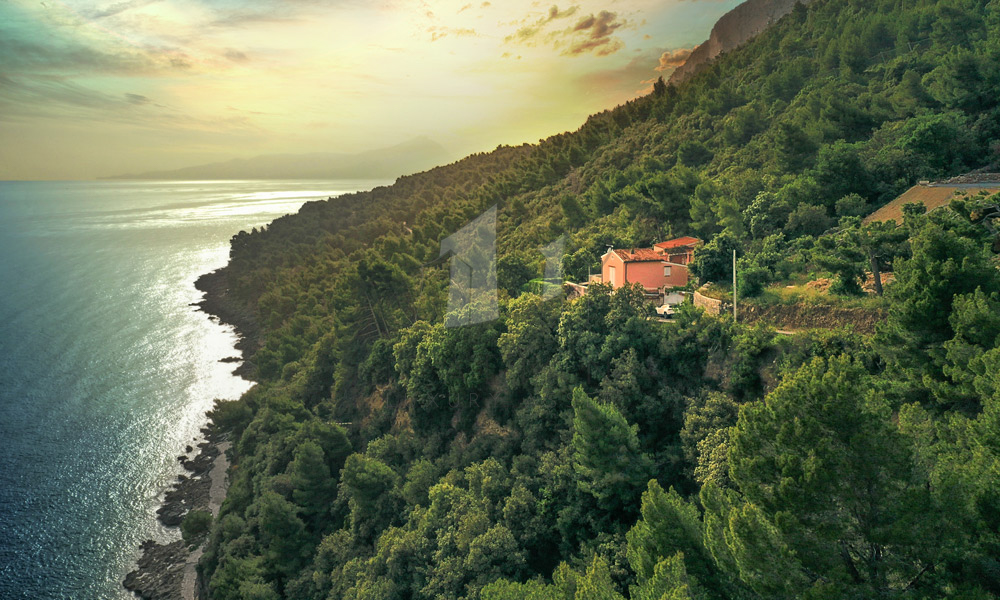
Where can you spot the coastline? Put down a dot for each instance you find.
(166, 571)
(169, 571)
(219, 305)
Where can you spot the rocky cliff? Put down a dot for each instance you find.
(732, 30)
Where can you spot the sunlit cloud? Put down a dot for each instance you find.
(671, 59)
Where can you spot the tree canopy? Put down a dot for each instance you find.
(579, 449)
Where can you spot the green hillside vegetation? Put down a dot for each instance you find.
(580, 450)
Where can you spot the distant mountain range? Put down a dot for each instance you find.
(734, 29)
(418, 154)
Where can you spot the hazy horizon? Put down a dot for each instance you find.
(90, 91)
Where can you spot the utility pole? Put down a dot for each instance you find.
(734, 285)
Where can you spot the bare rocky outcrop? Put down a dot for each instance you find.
(733, 30)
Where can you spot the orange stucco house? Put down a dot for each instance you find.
(657, 269)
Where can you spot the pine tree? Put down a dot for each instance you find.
(829, 487)
(606, 455)
(313, 488)
(944, 265)
(670, 527)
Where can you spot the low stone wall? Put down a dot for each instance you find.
(574, 290)
(711, 306)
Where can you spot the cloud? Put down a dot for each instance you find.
(671, 59)
(65, 55)
(239, 17)
(24, 55)
(555, 13)
(596, 33)
(592, 33)
(59, 99)
(527, 32)
(49, 96)
(117, 8)
(636, 78)
(440, 31)
(523, 34)
(235, 55)
(628, 80)
(137, 99)
(236, 13)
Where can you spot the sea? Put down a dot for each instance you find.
(106, 368)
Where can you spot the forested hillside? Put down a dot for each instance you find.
(579, 449)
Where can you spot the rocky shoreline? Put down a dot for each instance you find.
(161, 569)
(169, 571)
(220, 305)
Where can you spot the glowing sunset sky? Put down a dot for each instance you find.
(92, 89)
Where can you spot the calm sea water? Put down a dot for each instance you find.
(106, 370)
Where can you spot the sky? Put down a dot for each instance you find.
(92, 89)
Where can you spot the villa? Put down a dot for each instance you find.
(659, 269)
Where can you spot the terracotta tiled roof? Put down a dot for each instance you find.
(639, 255)
(678, 243)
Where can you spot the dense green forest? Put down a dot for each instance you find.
(580, 450)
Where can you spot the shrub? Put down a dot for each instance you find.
(195, 525)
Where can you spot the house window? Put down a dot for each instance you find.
(611, 277)
(666, 270)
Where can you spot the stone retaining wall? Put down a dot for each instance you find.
(711, 306)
